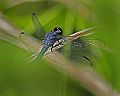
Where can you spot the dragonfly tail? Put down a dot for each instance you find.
(42, 52)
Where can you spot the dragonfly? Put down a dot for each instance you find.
(53, 40)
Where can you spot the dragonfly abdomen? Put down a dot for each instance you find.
(42, 52)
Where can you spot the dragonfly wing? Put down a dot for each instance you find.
(40, 30)
(30, 42)
(81, 50)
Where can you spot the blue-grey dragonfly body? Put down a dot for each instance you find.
(50, 39)
(53, 36)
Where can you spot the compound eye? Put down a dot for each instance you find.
(55, 29)
(58, 30)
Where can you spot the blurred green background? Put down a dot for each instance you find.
(19, 79)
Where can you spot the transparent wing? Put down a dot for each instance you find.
(40, 30)
(30, 42)
(82, 50)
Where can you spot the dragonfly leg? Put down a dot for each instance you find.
(52, 48)
(88, 60)
(60, 43)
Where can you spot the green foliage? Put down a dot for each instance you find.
(19, 79)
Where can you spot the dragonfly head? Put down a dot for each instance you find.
(58, 30)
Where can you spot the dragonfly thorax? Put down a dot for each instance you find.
(51, 38)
